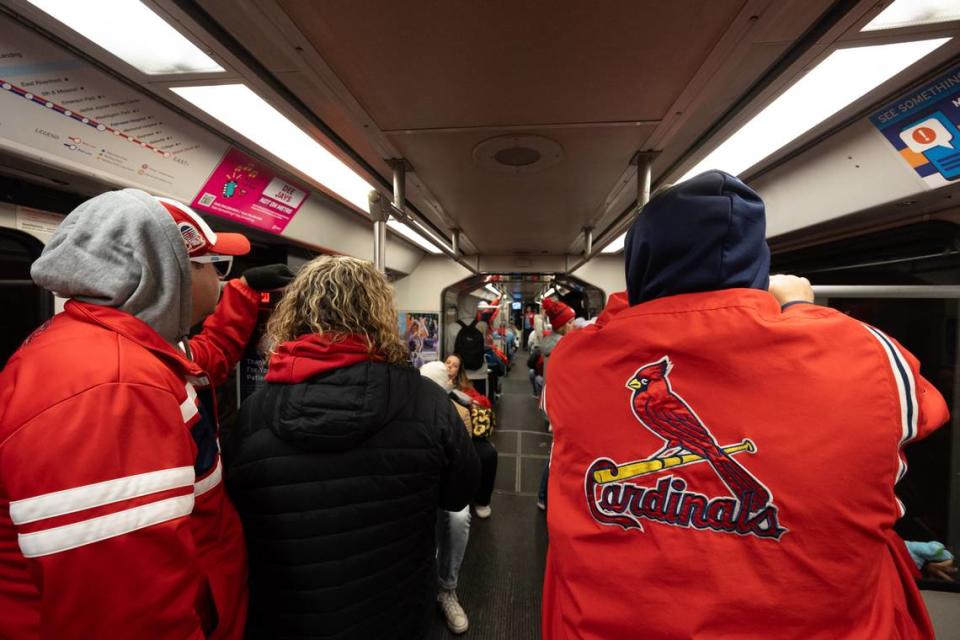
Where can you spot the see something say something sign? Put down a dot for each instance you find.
(922, 126)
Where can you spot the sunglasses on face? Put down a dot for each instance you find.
(221, 263)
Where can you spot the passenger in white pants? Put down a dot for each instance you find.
(453, 531)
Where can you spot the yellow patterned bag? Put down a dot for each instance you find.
(484, 421)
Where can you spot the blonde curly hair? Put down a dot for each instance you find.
(339, 296)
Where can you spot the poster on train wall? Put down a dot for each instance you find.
(247, 191)
(924, 127)
(421, 333)
(62, 110)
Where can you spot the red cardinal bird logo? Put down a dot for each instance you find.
(661, 410)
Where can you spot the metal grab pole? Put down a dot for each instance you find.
(588, 240)
(399, 183)
(380, 245)
(455, 242)
(379, 231)
(644, 177)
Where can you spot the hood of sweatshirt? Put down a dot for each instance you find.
(704, 234)
(467, 305)
(122, 249)
(333, 395)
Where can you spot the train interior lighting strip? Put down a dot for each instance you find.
(616, 244)
(238, 107)
(911, 13)
(843, 77)
(413, 236)
(154, 47)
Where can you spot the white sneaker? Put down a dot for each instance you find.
(456, 617)
(483, 512)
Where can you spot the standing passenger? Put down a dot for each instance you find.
(562, 319)
(724, 458)
(113, 520)
(339, 464)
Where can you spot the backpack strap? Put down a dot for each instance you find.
(474, 323)
(460, 322)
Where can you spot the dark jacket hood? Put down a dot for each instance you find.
(704, 234)
(335, 395)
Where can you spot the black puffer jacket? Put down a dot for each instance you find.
(337, 480)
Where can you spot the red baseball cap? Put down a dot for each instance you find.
(197, 235)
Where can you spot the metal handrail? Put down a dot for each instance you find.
(949, 292)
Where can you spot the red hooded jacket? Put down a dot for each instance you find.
(113, 519)
(725, 469)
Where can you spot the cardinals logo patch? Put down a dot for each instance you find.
(626, 495)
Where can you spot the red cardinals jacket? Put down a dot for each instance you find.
(727, 469)
(113, 519)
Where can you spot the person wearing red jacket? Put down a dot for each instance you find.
(724, 459)
(113, 519)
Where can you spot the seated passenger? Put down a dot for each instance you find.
(113, 519)
(535, 372)
(339, 464)
(724, 458)
(453, 527)
(485, 449)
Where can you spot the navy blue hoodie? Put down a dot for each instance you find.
(704, 234)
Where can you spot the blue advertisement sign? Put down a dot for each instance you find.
(923, 127)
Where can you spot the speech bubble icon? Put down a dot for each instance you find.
(926, 135)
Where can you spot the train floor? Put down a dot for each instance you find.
(502, 574)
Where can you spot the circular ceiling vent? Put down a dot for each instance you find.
(518, 154)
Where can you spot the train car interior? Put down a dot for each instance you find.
(487, 156)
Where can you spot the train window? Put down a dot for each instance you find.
(27, 305)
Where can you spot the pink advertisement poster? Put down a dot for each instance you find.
(247, 191)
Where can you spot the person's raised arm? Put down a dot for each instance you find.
(219, 346)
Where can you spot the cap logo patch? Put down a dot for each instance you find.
(191, 237)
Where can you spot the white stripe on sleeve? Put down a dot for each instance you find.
(212, 480)
(907, 392)
(188, 408)
(906, 385)
(71, 536)
(58, 503)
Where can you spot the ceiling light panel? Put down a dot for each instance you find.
(911, 13)
(842, 78)
(238, 107)
(413, 236)
(616, 245)
(131, 31)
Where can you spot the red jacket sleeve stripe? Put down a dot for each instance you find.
(58, 503)
(78, 534)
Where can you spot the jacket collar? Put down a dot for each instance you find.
(312, 354)
(135, 330)
(618, 307)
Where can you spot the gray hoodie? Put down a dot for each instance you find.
(122, 249)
